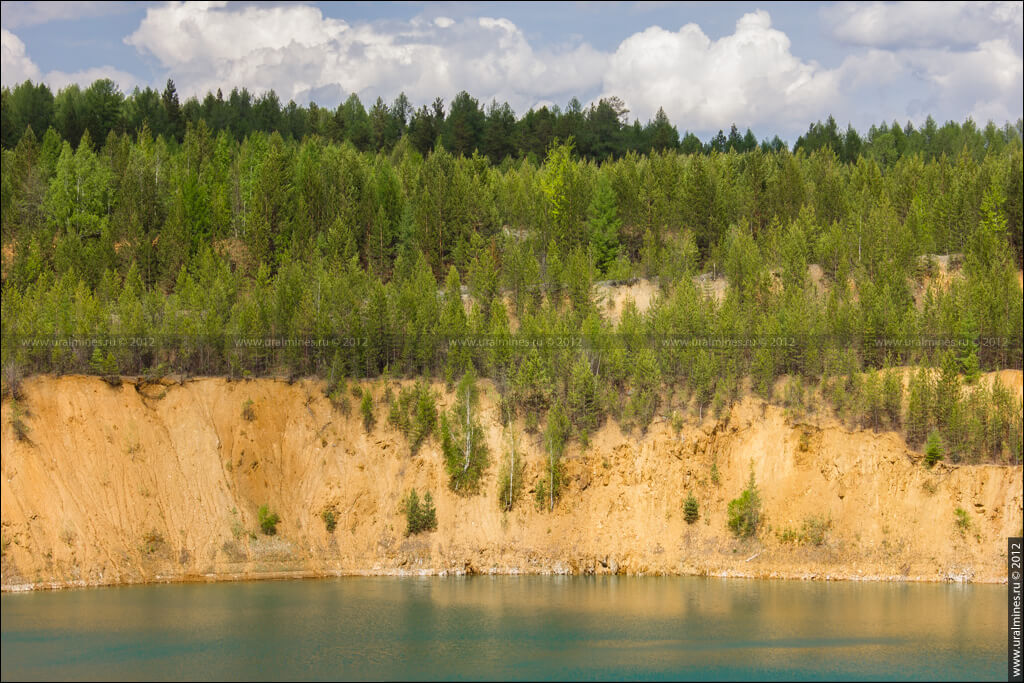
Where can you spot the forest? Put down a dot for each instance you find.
(240, 237)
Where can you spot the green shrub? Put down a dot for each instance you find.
(814, 529)
(247, 410)
(963, 520)
(419, 516)
(414, 412)
(933, 451)
(339, 401)
(677, 422)
(745, 511)
(716, 478)
(330, 517)
(152, 542)
(789, 535)
(366, 407)
(691, 510)
(268, 520)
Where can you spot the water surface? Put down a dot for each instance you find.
(509, 627)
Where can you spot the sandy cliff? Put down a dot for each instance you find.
(121, 485)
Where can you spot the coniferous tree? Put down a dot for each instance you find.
(604, 224)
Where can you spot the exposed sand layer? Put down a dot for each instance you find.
(125, 485)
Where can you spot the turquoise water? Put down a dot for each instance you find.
(509, 627)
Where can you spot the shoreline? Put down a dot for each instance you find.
(312, 575)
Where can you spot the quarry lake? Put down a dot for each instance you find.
(509, 627)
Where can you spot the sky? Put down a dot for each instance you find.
(772, 67)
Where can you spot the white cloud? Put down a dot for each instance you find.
(19, 14)
(932, 74)
(85, 77)
(991, 67)
(295, 50)
(925, 24)
(15, 65)
(749, 77)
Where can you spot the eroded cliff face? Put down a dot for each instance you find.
(125, 484)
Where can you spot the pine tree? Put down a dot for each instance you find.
(947, 393)
(933, 451)
(604, 224)
(892, 396)
(366, 407)
(455, 326)
(744, 513)
(172, 112)
(583, 401)
(920, 406)
(691, 511)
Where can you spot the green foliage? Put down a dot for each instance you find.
(419, 516)
(104, 363)
(583, 400)
(892, 397)
(691, 511)
(462, 439)
(330, 517)
(963, 520)
(510, 479)
(744, 512)
(920, 406)
(643, 404)
(268, 520)
(556, 438)
(414, 412)
(248, 413)
(204, 230)
(366, 408)
(557, 183)
(604, 224)
(677, 422)
(933, 451)
(716, 478)
(814, 529)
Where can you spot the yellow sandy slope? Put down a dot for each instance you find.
(122, 485)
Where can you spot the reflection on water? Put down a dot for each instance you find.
(509, 627)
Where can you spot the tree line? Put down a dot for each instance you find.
(601, 131)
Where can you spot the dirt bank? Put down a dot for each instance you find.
(120, 485)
